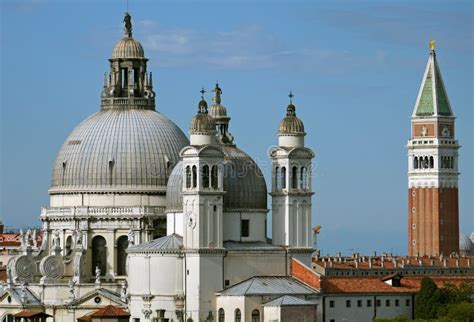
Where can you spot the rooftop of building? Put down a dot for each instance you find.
(268, 285)
(388, 261)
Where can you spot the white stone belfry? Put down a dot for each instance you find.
(202, 214)
(291, 185)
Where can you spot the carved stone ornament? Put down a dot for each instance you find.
(24, 268)
(424, 131)
(52, 267)
(191, 220)
(147, 313)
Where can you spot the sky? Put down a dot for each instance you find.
(355, 68)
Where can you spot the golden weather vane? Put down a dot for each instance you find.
(432, 44)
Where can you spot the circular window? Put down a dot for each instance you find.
(413, 193)
(413, 242)
(9, 299)
(413, 226)
(413, 209)
(97, 300)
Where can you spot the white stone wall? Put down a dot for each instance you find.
(364, 313)
(106, 200)
(230, 304)
(257, 225)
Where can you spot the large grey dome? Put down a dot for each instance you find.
(244, 184)
(129, 150)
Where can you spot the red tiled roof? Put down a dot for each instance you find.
(108, 311)
(369, 284)
(451, 262)
(31, 314)
(13, 240)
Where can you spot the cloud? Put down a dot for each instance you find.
(246, 48)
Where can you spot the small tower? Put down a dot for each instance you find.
(128, 81)
(203, 201)
(202, 183)
(433, 214)
(291, 184)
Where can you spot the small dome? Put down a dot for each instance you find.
(244, 184)
(202, 122)
(218, 111)
(128, 47)
(291, 124)
(465, 244)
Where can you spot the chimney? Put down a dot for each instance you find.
(420, 262)
(468, 262)
(457, 263)
(432, 262)
(445, 263)
(356, 264)
(370, 262)
(374, 253)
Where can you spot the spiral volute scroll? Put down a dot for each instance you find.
(52, 267)
(24, 268)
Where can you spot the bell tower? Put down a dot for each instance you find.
(291, 185)
(203, 200)
(433, 211)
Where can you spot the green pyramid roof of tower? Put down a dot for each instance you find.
(426, 104)
(443, 104)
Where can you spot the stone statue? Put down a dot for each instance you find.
(128, 24)
(35, 238)
(23, 292)
(28, 237)
(56, 240)
(10, 277)
(22, 237)
(72, 292)
(123, 291)
(131, 237)
(217, 94)
(97, 277)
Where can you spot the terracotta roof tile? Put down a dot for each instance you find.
(334, 285)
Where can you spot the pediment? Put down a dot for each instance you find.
(99, 298)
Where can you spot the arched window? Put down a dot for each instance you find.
(415, 163)
(277, 178)
(188, 177)
(8, 318)
(431, 162)
(304, 178)
(122, 244)
(214, 177)
(205, 176)
(283, 177)
(238, 315)
(294, 177)
(426, 163)
(255, 315)
(220, 315)
(194, 176)
(99, 254)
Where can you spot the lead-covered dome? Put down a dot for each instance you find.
(127, 47)
(244, 184)
(291, 124)
(115, 150)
